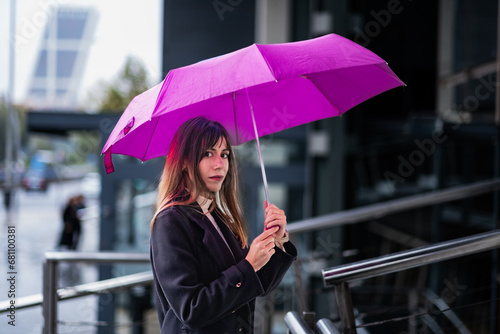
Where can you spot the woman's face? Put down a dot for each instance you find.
(214, 165)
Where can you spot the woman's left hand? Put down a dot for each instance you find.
(274, 216)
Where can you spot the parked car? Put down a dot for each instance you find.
(35, 179)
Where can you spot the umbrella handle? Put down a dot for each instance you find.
(262, 169)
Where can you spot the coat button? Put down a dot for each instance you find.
(238, 285)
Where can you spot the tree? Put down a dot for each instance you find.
(131, 81)
(19, 128)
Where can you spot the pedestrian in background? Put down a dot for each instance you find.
(71, 230)
(77, 227)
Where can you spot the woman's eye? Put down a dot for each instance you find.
(208, 154)
(225, 155)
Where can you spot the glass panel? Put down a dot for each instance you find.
(475, 97)
(61, 92)
(41, 67)
(65, 63)
(38, 92)
(275, 152)
(135, 206)
(71, 25)
(475, 32)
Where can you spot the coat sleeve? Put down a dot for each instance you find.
(273, 272)
(177, 270)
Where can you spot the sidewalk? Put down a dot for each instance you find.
(37, 224)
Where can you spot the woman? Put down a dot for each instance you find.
(206, 275)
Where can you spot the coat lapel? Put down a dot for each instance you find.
(230, 238)
(212, 239)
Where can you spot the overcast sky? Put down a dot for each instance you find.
(124, 27)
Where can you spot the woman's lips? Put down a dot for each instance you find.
(217, 178)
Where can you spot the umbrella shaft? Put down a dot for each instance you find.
(263, 170)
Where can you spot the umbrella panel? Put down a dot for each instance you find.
(277, 105)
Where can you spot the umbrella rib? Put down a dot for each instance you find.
(391, 73)
(235, 120)
(319, 90)
(150, 139)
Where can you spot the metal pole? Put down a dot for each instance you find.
(495, 326)
(296, 324)
(346, 309)
(326, 326)
(262, 169)
(497, 101)
(8, 185)
(49, 304)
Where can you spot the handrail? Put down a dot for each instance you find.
(96, 257)
(109, 285)
(52, 295)
(382, 209)
(412, 258)
(340, 276)
(22, 302)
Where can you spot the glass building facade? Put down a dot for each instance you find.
(61, 59)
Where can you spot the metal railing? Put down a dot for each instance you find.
(382, 209)
(52, 295)
(339, 277)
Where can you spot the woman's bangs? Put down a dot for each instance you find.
(212, 136)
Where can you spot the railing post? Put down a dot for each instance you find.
(297, 324)
(346, 309)
(49, 304)
(326, 326)
(309, 318)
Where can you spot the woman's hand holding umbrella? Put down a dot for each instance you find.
(274, 216)
(261, 249)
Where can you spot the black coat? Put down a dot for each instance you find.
(200, 286)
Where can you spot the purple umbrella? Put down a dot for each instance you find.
(252, 92)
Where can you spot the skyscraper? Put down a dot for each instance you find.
(62, 57)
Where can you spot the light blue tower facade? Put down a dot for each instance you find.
(61, 58)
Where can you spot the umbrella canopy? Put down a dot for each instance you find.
(277, 86)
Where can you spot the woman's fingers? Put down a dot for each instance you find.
(275, 217)
(261, 249)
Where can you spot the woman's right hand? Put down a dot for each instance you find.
(262, 248)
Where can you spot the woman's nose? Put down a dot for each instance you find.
(218, 162)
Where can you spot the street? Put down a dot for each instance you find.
(37, 226)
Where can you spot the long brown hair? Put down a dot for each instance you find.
(187, 148)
